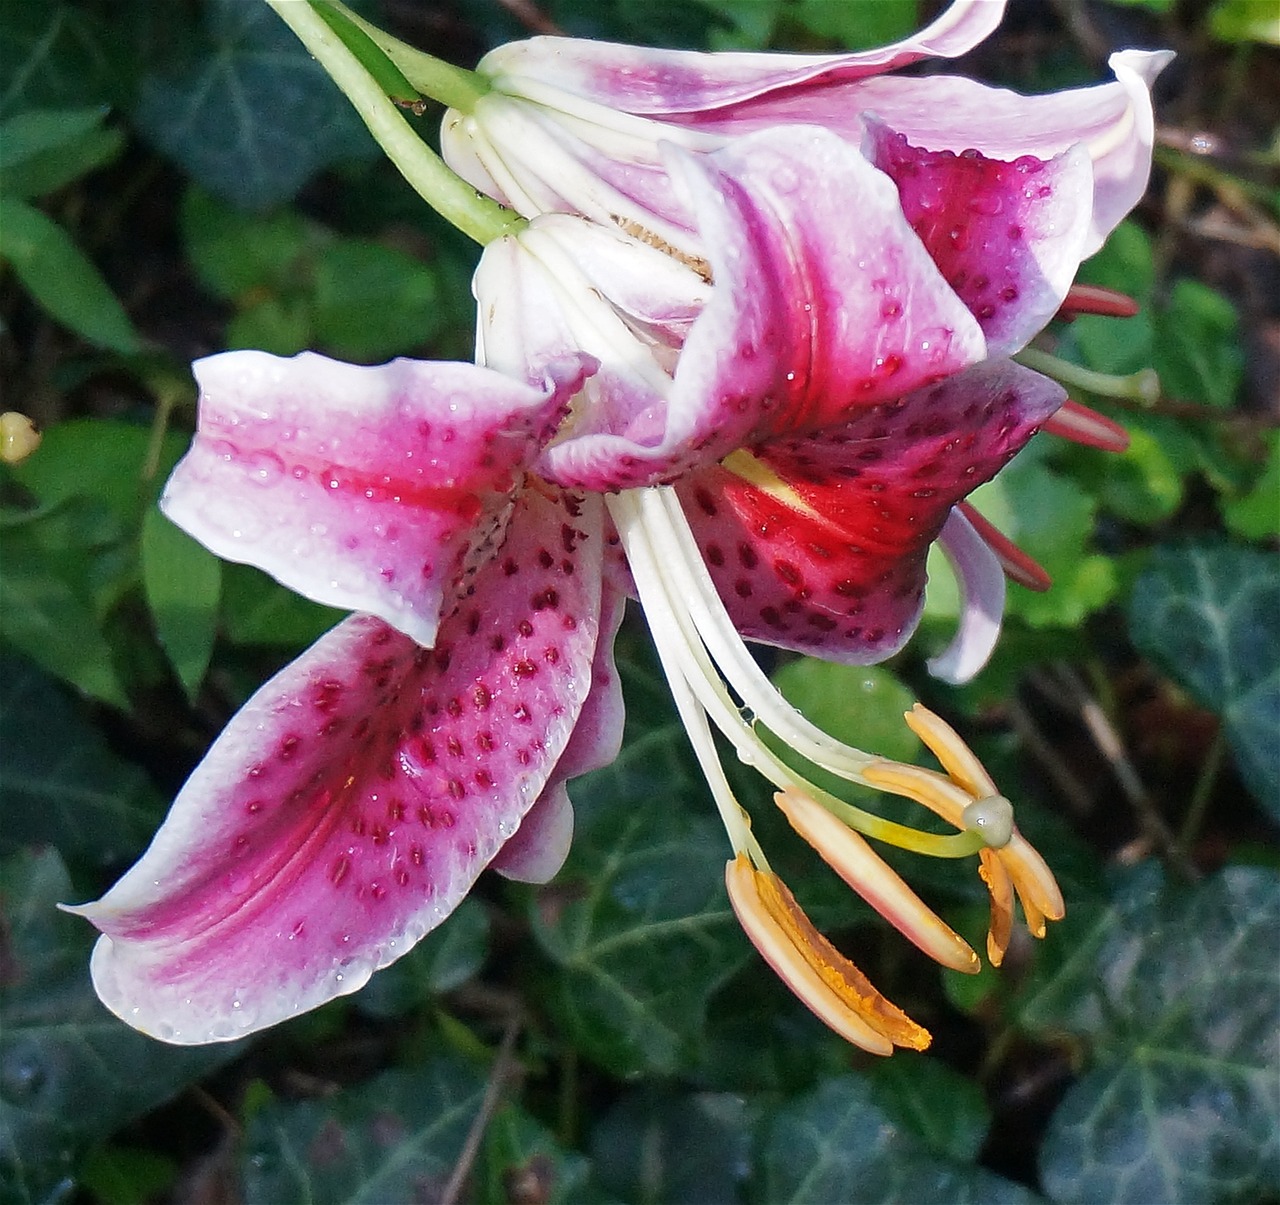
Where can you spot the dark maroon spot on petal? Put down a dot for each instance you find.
(402, 876)
(545, 559)
(715, 555)
(498, 643)
(456, 791)
(510, 568)
(742, 588)
(288, 747)
(339, 870)
(416, 856)
(454, 746)
(787, 572)
(524, 668)
(569, 623)
(445, 818)
(484, 742)
(484, 779)
(473, 623)
(481, 697)
(254, 806)
(525, 628)
(453, 708)
(747, 555)
(521, 714)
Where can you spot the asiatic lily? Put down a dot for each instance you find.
(761, 439)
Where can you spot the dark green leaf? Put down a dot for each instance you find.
(522, 1162)
(446, 958)
(372, 302)
(70, 1072)
(236, 252)
(396, 1138)
(253, 116)
(56, 273)
(52, 55)
(124, 1175)
(56, 168)
(858, 24)
(1198, 351)
(657, 1145)
(1209, 616)
(257, 610)
(102, 459)
(933, 1102)
(638, 922)
(834, 1146)
(61, 785)
(47, 603)
(182, 580)
(1178, 991)
(39, 130)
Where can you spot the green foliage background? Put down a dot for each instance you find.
(178, 179)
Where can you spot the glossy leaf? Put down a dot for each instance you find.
(396, 1138)
(446, 958)
(62, 785)
(940, 1106)
(834, 1146)
(658, 1144)
(52, 54)
(1209, 616)
(70, 1072)
(1176, 992)
(637, 922)
(251, 116)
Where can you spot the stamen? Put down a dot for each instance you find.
(873, 879)
(1020, 567)
(1097, 299)
(1084, 426)
(1142, 387)
(829, 984)
(18, 437)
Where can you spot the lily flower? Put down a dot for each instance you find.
(567, 125)
(758, 434)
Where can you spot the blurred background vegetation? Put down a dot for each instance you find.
(178, 179)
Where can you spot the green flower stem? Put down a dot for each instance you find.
(448, 194)
(1142, 387)
(450, 85)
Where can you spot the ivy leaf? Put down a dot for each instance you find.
(52, 54)
(657, 1144)
(70, 1072)
(933, 1102)
(1178, 991)
(395, 1138)
(251, 116)
(835, 1145)
(638, 923)
(62, 786)
(446, 958)
(522, 1162)
(1210, 618)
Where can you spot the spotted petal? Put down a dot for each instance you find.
(1008, 237)
(824, 303)
(819, 544)
(373, 489)
(352, 802)
(1114, 122)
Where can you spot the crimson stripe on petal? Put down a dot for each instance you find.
(351, 803)
(374, 489)
(832, 560)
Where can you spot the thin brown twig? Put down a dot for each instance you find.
(498, 1076)
(532, 17)
(1078, 797)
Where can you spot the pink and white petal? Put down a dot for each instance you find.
(824, 303)
(352, 802)
(821, 545)
(539, 161)
(1113, 121)
(372, 489)
(982, 588)
(668, 83)
(541, 843)
(1008, 237)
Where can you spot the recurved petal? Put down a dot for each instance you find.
(982, 589)
(352, 802)
(824, 304)
(1008, 237)
(541, 843)
(373, 489)
(684, 84)
(1114, 122)
(820, 544)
